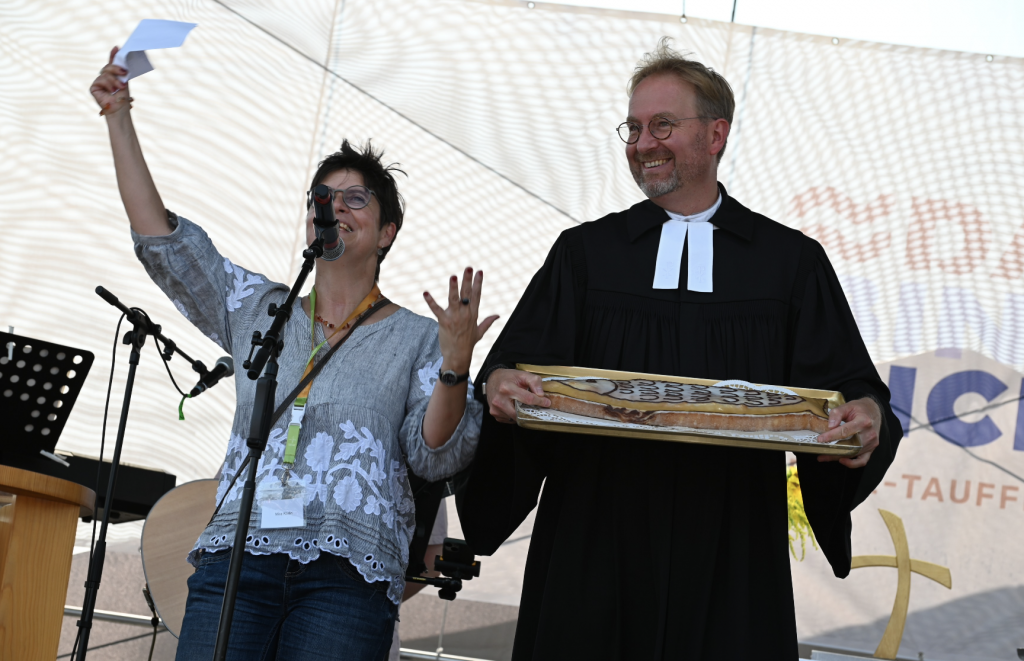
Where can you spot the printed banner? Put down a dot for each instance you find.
(958, 486)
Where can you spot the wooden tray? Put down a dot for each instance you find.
(531, 417)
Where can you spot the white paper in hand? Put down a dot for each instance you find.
(149, 34)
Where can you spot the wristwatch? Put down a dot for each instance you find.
(450, 378)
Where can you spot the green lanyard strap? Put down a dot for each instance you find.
(362, 311)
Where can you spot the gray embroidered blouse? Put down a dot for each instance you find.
(362, 424)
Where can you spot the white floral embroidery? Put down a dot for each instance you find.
(265, 466)
(181, 308)
(376, 474)
(373, 506)
(242, 281)
(348, 493)
(267, 471)
(428, 376)
(271, 479)
(318, 452)
(275, 442)
(318, 458)
(404, 522)
(236, 444)
(366, 441)
(398, 478)
(270, 470)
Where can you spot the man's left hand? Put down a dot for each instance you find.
(859, 416)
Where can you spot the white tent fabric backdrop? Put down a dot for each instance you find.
(903, 162)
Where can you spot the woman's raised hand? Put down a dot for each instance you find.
(141, 200)
(458, 331)
(108, 90)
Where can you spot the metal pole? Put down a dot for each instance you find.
(92, 583)
(227, 608)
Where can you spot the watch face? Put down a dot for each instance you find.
(448, 378)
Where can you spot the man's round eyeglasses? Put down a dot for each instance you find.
(659, 127)
(354, 197)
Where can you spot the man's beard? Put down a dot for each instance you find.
(653, 189)
(683, 172)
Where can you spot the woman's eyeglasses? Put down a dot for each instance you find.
(354, 197)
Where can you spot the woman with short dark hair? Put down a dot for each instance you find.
(329, 536)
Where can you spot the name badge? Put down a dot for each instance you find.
(282, 514)
(282, 507)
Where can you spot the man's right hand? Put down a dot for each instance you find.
(505, 387)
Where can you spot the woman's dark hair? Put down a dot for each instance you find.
(378, 177)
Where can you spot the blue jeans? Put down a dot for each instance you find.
(287, 610)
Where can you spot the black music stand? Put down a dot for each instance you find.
(39, 385)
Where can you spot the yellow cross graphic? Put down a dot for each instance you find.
(904, 565)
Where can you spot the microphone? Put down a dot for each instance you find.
(225, 367)
(326, 224)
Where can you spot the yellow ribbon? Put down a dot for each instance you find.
(299, 407)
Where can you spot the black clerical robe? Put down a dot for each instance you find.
(652, 550)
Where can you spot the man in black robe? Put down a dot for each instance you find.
(650, 550)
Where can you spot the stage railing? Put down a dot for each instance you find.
(114, 616)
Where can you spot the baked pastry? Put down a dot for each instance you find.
(670, 404)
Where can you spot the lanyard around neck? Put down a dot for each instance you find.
(299, 406)
(365, 305)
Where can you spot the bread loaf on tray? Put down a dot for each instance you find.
(670, 404)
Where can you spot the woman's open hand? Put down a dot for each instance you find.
(108, 90)
(458, 331)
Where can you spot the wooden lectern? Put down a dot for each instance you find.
(38, 518)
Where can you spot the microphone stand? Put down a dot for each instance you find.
(143, 326)
(271, 344)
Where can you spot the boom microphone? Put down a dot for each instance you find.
(225, 367)
(326, 224)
